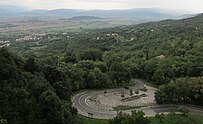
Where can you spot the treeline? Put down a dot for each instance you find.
(162, 70)
(159, 70)
(182, 90)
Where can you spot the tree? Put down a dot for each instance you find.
(49, 109)
(134, 118)
(137, 117)
(122, 95)
(131, 92)
(62, 89)
(110, 58)
(120, 73)
(103, 80)
(69, 57)
(77, 79)
(160, 117)
(28, 98)
(184, 111)
(137, 91)
(52, 74)
(30, 65)
(73, 110)
(119, 119)
(86, 65)
(89, 54)
(91, 80)
(182, 90)
(102, 66)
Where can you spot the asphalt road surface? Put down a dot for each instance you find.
(79, 101)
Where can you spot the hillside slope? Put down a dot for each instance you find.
(156, 51)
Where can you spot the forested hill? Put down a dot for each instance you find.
(156, 51)
(29, 95)
(178, 42)
(168, 37)
(85, 18)
(161, 51)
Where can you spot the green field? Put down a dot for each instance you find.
(174, 119)
(87, 120)
(179, 119)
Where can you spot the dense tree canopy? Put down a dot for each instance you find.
(156, 51)
(134, 118)
(27, 97)
(182, 90)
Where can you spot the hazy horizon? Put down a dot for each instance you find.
(195, 6)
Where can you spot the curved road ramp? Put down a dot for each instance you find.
(100, 104)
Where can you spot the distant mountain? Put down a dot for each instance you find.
(5, 12)
(14, 9)
(39, 11)
(64, 12)
(188, 15)
(138, 14)
(135, 14)
(10, 10)
(85, 18)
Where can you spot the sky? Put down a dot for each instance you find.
(189, 5)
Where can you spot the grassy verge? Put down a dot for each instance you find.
(173, 119)
(87, 120)
(178, 119)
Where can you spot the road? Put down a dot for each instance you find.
(79, 101)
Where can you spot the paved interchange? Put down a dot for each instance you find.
(85, 109)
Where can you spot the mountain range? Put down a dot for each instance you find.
(149, 14)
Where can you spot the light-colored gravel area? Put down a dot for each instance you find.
(109, 100)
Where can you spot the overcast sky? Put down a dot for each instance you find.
(190, 5)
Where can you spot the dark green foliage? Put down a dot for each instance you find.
(182, 90)
(184, 111)
(90, 54)
(77, 79)
(120, 73)
(31, 65)
(91, 80)
(160, 117)
(177, 119)
(70, 57)
(86, 65)
(102, 66)
(95, 74)
(134, 118)
(52, 74)
(156, 51)
(131, 92)
(28, 98)
(62, 89)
